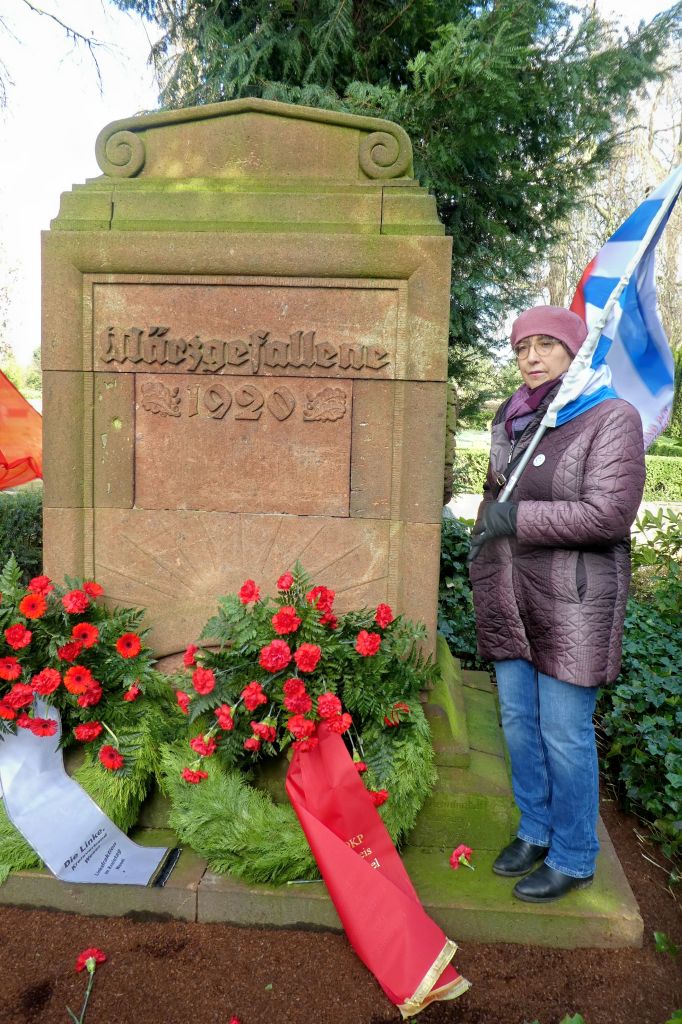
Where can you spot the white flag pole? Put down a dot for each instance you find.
(583, 359)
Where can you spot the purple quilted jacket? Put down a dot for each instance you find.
(555, 594)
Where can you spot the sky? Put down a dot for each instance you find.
(55, 110)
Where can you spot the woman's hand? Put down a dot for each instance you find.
(497, 520)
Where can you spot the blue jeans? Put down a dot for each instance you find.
(555, 775)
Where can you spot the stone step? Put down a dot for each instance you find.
(470, 906)
(477, 680)
(446, 712)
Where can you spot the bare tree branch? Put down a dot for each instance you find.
(78, 38)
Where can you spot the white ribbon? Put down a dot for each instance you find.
(61, 822)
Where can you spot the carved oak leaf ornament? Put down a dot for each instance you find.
(328, 404)
(158, 398)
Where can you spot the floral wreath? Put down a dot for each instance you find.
(271, 671)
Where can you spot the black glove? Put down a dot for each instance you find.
(498, 520)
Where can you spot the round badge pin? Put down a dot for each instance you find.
(538, 460)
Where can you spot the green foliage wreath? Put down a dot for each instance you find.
(275, 667)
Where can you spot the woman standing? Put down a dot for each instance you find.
(550, 572)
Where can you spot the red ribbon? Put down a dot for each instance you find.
(20, 438)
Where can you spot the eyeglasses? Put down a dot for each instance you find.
(542, 347)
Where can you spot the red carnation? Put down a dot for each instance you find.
(77, 679)
(92, 695)
(6, 711)
(379, 796)
(111, 758)
(252, 744)
(46, 682)
(461, 855)
(93, 589)
(24, 721)
(321, 597)
(183, 700)
(69, 652)
(17, 636)
(90, 954)
(75, 602)
(203, 747)
(9, 669)
(203, 680)
(88, 731)
(275, 656)
(224, 716)
(307, 657)
(253, 696)
(41, 585)
(360, 767)
(286, 620)
(329, 619)
(193, 777)
(294, 687)
(188, 659)
(249, 592)
(86, 633)
(366, 643)
(328, 704)
(384, 615)
(132, 693)
(264, 732)
(340, 723)
(301, 728)
(129, 645)
(306, 745)
(20, 696)
(299, 703)
(43, 726)
(398, 714)
(285, 582)
(33, 606)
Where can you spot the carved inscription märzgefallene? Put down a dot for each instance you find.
(154, 346)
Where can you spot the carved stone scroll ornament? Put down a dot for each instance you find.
(385, 155)
(121, 154)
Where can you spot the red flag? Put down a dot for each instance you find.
(21, 431)
(384, 920)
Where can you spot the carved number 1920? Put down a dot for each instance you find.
(250, 401)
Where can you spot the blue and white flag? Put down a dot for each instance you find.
(626, 353)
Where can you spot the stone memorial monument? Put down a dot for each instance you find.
(244, 356)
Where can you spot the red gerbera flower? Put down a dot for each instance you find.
(93, 589)
(86, 633)
(9, 669)
(224, 716)
(307, 657)
(77, 679)
(253, 696)
(20, 696)
(92, 695)
(286, 620)
(93, 954)
(132, 693)
(111, 758)
(33, 606)
(88, 731)
(188, 657)
(75, 602)
(193, 777)
(366, 643)
(6, 711)
(285, 582)
(41, 585)
(203, 680)
(328, 704)
(275, 656)
(69, 652)
(249, 592)
(183, 700)
(43, 726)
(203, 747)
(46, 681)
(17, 636)
(129, 645)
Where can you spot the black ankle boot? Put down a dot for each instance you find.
(518, 858)
(546, 885)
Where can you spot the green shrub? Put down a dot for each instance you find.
(469, 470)
(456, 620)
(21, 528)
(666, 446)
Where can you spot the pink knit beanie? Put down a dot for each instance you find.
(555, 322)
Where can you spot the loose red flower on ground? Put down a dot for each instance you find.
(253, 696)
(193, 777)
(183, 700)
(76, 602)
(129, 645)
(46, 681)
(249, 592)
(77, 679)
(93, 589)
(188, 659)
(379, 796)
(275, 656)
(203, 747)
(10, 669)
(203, 681)
(88, 731)
(92, 695)
(69, 652)
(41, 585)
(286, 620)
(252, 744)
(384, 615)
(33, 606)
(43, 726)
(90, 954)
(86, 633)
(367, 644)
(132, 693)
(111, 758)
(285, 582)
(328, 704)
(461, 855)
(307, 657)
(224, 716)
(17, 636)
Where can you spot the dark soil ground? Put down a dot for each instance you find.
(178, 973)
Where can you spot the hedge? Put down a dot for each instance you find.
(21, 528)
(663, 474)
